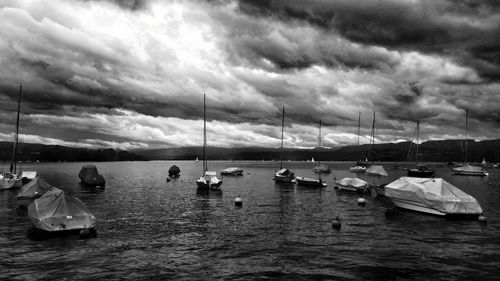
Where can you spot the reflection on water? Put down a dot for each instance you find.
(150, 228)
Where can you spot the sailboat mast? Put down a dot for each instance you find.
(16, 138)
(205, 168)
(372, 139)
(466, 131)
(281, 149)
(359, 126)
(418, 133)
(319, 143)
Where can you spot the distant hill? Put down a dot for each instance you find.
(55, 153)
(430, 151)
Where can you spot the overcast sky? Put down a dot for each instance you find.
(132, 74)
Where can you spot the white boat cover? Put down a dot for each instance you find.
(34, 189)
(376, 170)
(435, 193)
(283, 172)
(232, 169)
(469, 169)
(210, 173)
(58, 210)
(353, 182)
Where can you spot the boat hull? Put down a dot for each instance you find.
(10, 183)
(465, 173)
(420, 174)
(421, 208)
(206, 186)
(238, 172)
(358, 169)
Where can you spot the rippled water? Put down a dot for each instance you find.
(151, 229)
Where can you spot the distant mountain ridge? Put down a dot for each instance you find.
(430, 151)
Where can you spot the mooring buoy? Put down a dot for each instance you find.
(361, 201)
(336, 223)
(238, 202)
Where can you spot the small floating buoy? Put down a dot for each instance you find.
(84, 233)
(482, 219)
(361, 201)
(336, 223)
(238, 202)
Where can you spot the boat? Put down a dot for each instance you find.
(357, 169)
(11, 179)
(89, 177)
(208, 180)
(352, 184)
(432, 196)
(303, 181)
(467, 169)
(283, 175)
(27, 176)
(420, 171)
(232, 171)
(34, 189)
(59, 212)
(174, 172)
(376, 170)
(321, 168)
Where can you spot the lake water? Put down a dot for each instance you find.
(150, 229)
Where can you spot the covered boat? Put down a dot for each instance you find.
(303, 181)
(10, 180)
(27, 176)
(209, 182)
(352, 184)
(322, 169)
(89, 176)
(59, 211)
(357, 169)
(34, 189)
(375, 170)
(232, 171)
(433, 196)
(284, 176)
(174, 171)
(468, 170)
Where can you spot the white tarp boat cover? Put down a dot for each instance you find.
(376, 170)
(284, 172)
(58, 210)
(34, 189)
(469, 169)
(353, 182)
(435, 193)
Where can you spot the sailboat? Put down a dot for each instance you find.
(420, 171)
(283, 175)
(374, 170)
(466, 169)
(321, 168)
(11, 179)
(208, 181)
(360, 165)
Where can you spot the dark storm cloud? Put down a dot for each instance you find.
(465, 30)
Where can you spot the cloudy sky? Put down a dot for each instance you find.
(132, 74)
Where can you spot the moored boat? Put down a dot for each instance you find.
(352, 184)
(304, 181)
(174, 171)
(283, 175)
(376, 170)
(432, 196)
(232, 171)
(59, 212)
(90, 177)
(357, 169)
(34, 189)
(27, 176)
(468, 170)
(420, 171)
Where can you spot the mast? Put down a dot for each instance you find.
(372, 139)
(359, 126)
(319, 143)
(395, 142)
(281, 149)
(16, 138)
(418, 132)
(205, 168)
(466, 131)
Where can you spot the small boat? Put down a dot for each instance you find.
(10, 181)
(34, 189)
(208, 181)
(58, 212)
(468, 170)
(432, 196)
(174, 172)
(89, 177)
(376, 170)
(352, 184)
(232, 171)
(303, 181)
(420, 171)
(357, 169)
(283, 175)
(27, 176)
